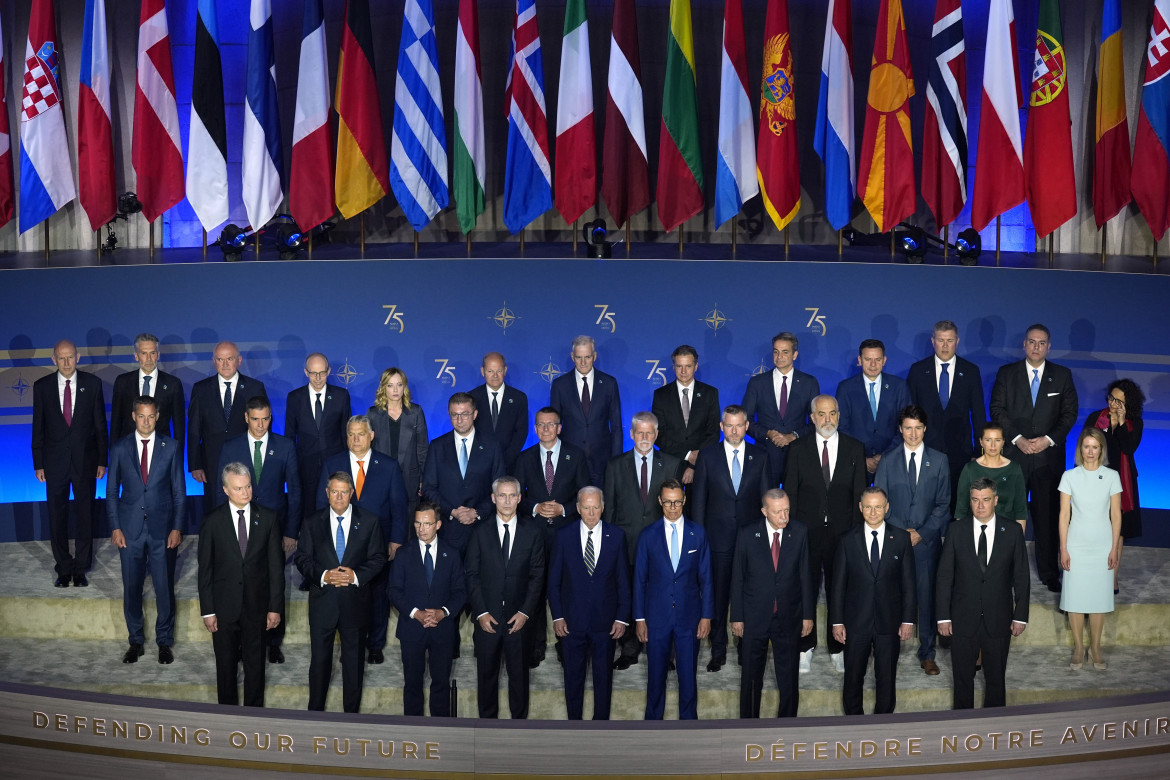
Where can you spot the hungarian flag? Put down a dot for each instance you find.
(777, 155)
(944, 135)
(575, 178)
(886, 178)
(1048, 155)
(735, 169)
(95, 133)
(310, 187)
(680, 169)
(999, 161)
(1151, 165)
(468, 178)
(6, 199)
(625, 178)
(1111, 169)
(207, 182)
(158, 161)
(363, 175)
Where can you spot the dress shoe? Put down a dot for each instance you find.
(930, 667)
(1078, 659)
(165, 656)
(625, 661)
(62, 581)
(838, 660)
(806, 661)
(133, 654)
(304, 586)
(1098, 661)
(670, 666)
(275, 655)
(1053, 585)
(560, 654)
(79, 581)
(376, 657)
(536, 659)
(716, 663)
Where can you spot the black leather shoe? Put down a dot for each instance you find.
(716, 663)
(133, 654)
(560, 654)
(62, 581)
(625, 661)
(536, 660)
(165, 656)
(671, 665)
(376, 657)
(304, 586)
(79, 581)
(275, 656)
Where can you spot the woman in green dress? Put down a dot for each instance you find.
(1008, 478)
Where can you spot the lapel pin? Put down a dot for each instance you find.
(271, 452)
(165, 387)
(442, 555)
(757, 534)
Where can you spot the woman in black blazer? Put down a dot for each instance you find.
(400, 430)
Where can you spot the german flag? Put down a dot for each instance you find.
(363, 177)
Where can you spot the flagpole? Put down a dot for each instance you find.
(99, 245)
(1050, 250)
(362, 232)
(204, 243)
(786, 242)
(627, 237)
(1155, 255)
(1104, 239)
(891, 244)
(680, 239)
(469, 243)
(574, 237)
(46, 242)
(256, 234)
(150, 229)
(310, 244)
(946, 242)
(416, 243)
(840, 243)
(733, 231)
(521, 240)
(997, 219)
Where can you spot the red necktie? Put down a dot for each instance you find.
(585, 404)
(145, 470)
(548, 472)
(775, 561)
(67, 404)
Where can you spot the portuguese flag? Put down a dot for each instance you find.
(1048, 156)
(680, 170)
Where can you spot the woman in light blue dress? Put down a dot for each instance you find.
(1090, 530)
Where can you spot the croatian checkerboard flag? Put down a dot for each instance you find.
(263, 158)
(46, 180)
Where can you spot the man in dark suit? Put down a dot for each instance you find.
(379, 490)
(146, 500)
(505, 572)
(550, 473)
(772, 600)
(983, 592)
(1036, 403)
(633, 481)
(271, 461)
(70, 446)
(687, 412)
(216, 414)
(777, 404)
(340, 552)
(505, 410)
(589, 596)
(869, 404)
(590, 409)
(241, 584)
(428, 589)
(731, 478)
(875, 602)
(674, 602)
(955, 406)
(824, 479)
(149, 380)
(917, 480)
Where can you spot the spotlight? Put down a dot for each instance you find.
(595, 235)
(128, 203)
(231, 240)
(968, 245)
(288, 241)
(914, 245)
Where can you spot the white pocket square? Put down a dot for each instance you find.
(691, 551)
(1052, 394)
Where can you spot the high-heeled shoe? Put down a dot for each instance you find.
(1098, 662)
(1078, 659)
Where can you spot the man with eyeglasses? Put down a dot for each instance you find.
(1035, 401)
(505, 410)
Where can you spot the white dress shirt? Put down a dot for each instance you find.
(422, 556)
(235, 380)
(263, 449)
(778, 382)
(833, 441)
(72, 392)
(149, 448)
(345, 526)
(729, 454)
(950, 373)
(556, 460)
(578, 376)
(153, 381)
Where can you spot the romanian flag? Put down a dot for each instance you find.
(680, 169)
(1151, 151)
(1048, 155)
(777, 155)
(886, 178)
(1111, 168)
(363, 176)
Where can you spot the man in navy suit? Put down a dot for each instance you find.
(69, 449)
(674, 601)
(874, 603)
(917, 480)
(590, 409)
(215, 415)
(730, 481)
(148, 379)
(687, 412)
(777, 404)
(772, 600)
(505, 410)
(146, 500)
(869, 402)
(271, 461)
(589, 596)
(379, 490)
(427, 588)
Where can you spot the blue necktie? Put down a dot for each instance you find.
(736, 472)
(227, 401)
(463, 459)
(429, 565)
(872, 400)
(944, 386)
(1035, 384)
(874, 557)
(339, 543)
(674, 546)
(146, 385)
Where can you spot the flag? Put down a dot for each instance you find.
(1111, 168)
(527, 175)
(6, 199)
(468, 178)
(680, 169)
(999, 160)
(735, 168)
(156, 149)
(944, 136)
(1048, 155)
(1151, 169)
(833, 139)
(576, 165)
(362, 177)
(418, 146)
(46, 180)
(95, 132)
(625, 177)
(262, 154)
(310, 185)
(886, 177)
(207, 183)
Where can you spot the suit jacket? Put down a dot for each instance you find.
(314, 443)
(207, 430)
(599, 434)
(713, 502)
(444, 485)
(756, 585)
(804, 483)
(157, 507)
(623, 496)
(1053, 415)
(571, 473)
(857, 420)
(82, 446)
(511, 429)
(763, 413)
(280, 470)
(702, 430)
(589, 602)
(663, 596)
(365, 553)
(926, 508)
(232, 585)
(413, 444)
(168, 393)
(964, 593)
(409, 589)
(503, 589)
(870, 604)
(383, 493)
(951, 430)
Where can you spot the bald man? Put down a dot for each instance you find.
(503, 410)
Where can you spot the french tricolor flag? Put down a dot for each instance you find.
(310, 191)
(95, 133)
(833, 140)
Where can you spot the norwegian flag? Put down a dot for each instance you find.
(944, 136)
(527, 172)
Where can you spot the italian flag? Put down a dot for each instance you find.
(469, 143)
(575, 183)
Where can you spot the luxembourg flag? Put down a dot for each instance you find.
(95, 134)
(263, 157)
(833, 140)
(735, 170)
(46, 180)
